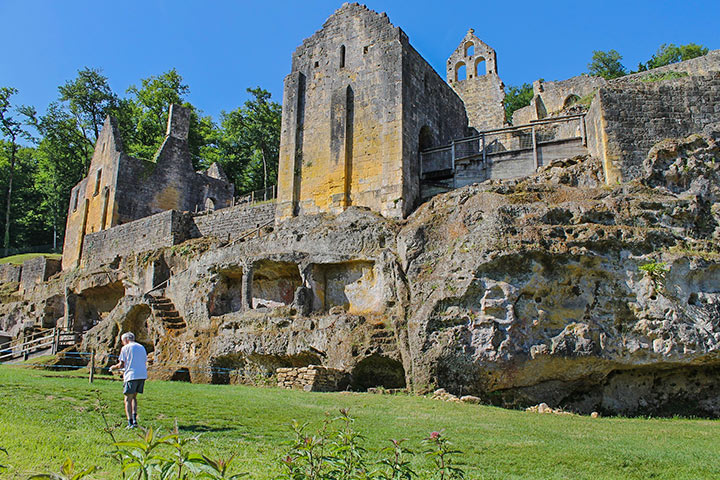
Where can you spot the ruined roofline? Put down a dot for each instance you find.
(345, 7)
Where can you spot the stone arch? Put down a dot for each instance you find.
(378, 371)
(181, 375)
(570, 100)
(460, 71)
(480, 67)
(210, 203)
(469, 49)
(425, 138)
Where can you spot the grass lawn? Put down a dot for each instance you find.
(46, 417)
(19, 259)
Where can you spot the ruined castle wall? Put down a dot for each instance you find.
(92, 200)
(229, 223)
(37, 270)
(161, 230)
(430, 109)
(120, 189)
(704, 65)
(341, 139)
(10, 273)
(146, 188)
(627, 118)
(483, 96)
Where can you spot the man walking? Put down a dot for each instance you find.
(133, 361)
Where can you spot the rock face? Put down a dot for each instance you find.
(553, 289)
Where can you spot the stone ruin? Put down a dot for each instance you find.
(313, 378)
(518, 285)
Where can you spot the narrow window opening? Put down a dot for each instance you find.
(342, 56)
(480, 67)
(98, 178)
(75, 202)
(469, 49)
(460, 72)
(366, 49)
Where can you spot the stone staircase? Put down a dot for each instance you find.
(383, 337)
(164, 310)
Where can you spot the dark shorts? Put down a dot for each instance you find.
(133, 386)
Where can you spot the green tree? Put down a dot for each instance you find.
(251, 141)
(517, 98)
(13, 129)
(671, 53)
(60, 165)
(143, 119)
(89, 99)
(606, 64)
(148, 108)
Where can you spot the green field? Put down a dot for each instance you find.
(46, 417)
(19, 259)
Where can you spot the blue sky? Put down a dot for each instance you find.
(221, 47)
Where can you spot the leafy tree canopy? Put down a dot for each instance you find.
(517, 98)
(670, 53)
(606, 64)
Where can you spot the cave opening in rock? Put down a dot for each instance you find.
(274, 283)
(136, 322)
(94, 304)
(226, 296)
(378, 371)
(181, 375)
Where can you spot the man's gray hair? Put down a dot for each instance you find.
(129, 336)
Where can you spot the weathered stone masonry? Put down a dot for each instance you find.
(627, 118)
(120, 188)
(356, 104)
(172, 228)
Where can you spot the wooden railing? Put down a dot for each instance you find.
(54, 339)
(483, 144)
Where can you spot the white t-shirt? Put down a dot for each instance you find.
(134, 358)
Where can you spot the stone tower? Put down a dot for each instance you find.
(357, 105)
(472, 72)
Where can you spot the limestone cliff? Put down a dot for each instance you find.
(556, 288)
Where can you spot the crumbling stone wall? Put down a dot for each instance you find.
(313, 378)
(229, 223)
(170, 228)
(120, 189)
(481, 90)
(354, 104)
(627, 118)
(550, 98)
(157, 231)
(37, 270)
(9, 273)
(704, 65)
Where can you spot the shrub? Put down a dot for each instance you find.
(334, 451)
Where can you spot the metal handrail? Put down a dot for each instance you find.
(526, 126)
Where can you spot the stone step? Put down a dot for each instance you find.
(179, 321)
(164, 306)
(165, 301)
(175, 326)
(168, 314)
